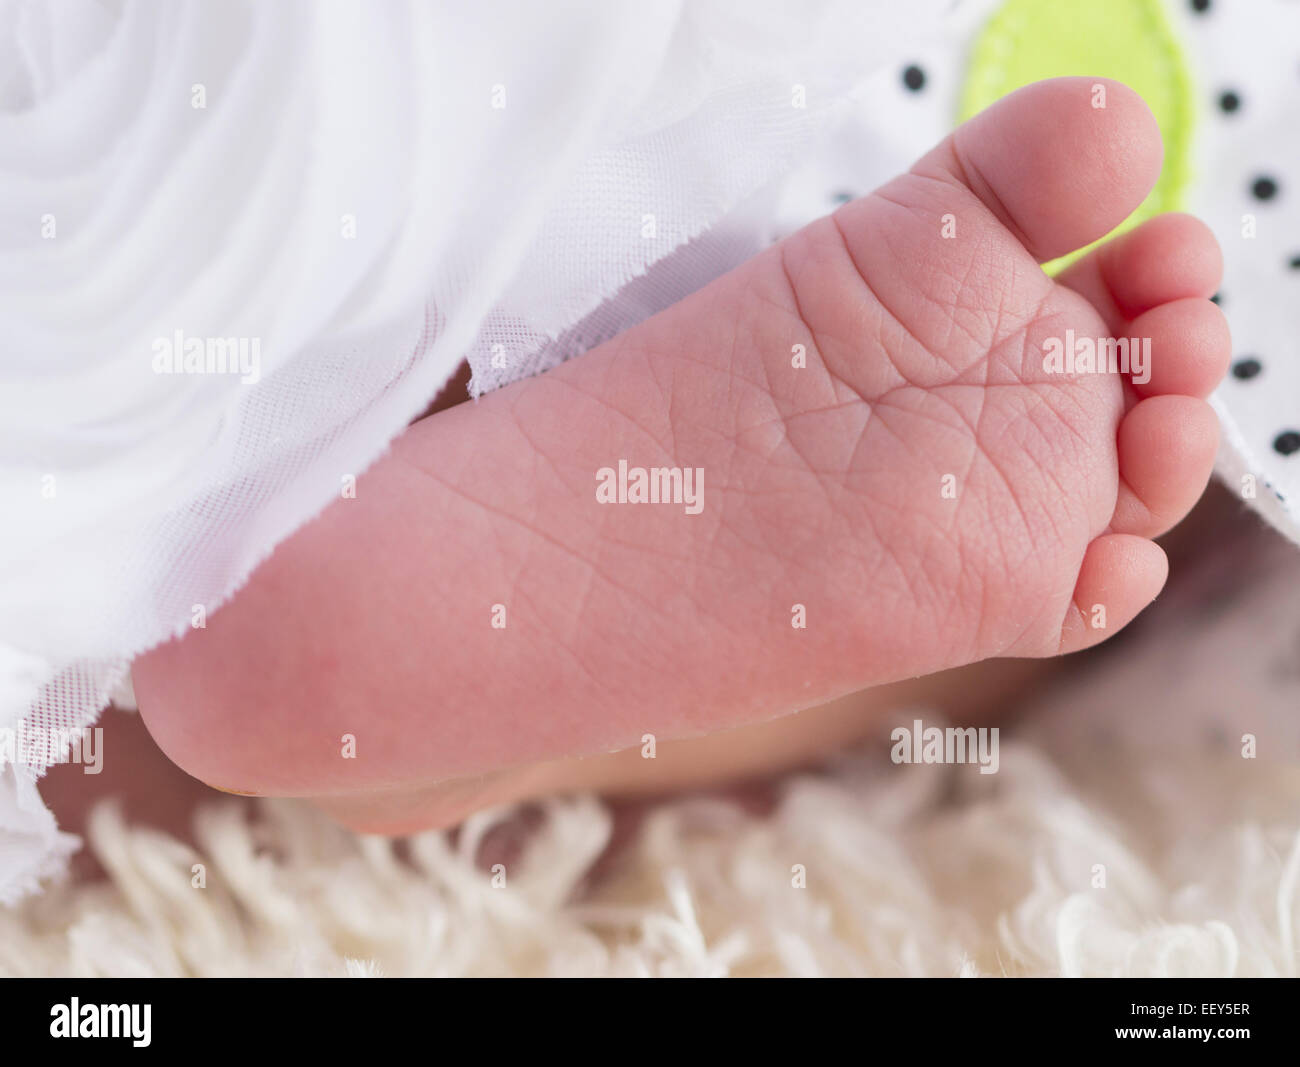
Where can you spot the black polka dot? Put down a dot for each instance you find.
(1286, 442)
(1229, 101)
(1217, 298)
(914, 78)
(1200, 6)
(842, 197)
(1294, 263)
(1264, 188)
(1247, 368)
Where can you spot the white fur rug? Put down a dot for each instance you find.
(935, 871)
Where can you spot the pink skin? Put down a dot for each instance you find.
(821, 488)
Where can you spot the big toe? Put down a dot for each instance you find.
(1060, 163)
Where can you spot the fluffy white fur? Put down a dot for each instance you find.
(910, 871)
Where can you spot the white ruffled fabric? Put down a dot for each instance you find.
(370, 193)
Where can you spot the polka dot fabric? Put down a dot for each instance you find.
(1248, 57)
(1244, 181)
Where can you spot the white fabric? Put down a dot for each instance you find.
(368, 192)
(1254, 51)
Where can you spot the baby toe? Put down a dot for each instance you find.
(1189, 347)
(1120, 576)
(1169, 257)
(1167, 446)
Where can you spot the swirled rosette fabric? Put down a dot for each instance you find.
(242, 244)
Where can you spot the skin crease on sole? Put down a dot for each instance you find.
(823, 490)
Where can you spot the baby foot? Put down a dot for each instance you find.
(902, 472)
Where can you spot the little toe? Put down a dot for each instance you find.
(1120, 576)
(1167, 446)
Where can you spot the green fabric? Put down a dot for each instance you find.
(1131, 41)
